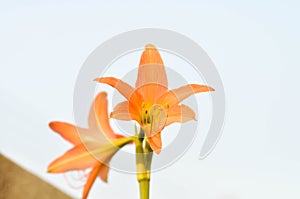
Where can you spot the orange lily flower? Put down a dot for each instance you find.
(151, 103)
(93, 147)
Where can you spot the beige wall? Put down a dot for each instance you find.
(16, 182)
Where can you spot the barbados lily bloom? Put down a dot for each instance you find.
(151, 103)
(93, 147)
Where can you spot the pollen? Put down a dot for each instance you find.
(166, 105)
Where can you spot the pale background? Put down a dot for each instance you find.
(255, 46)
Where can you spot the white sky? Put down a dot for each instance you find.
(254, 45)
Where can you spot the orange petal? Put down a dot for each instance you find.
(156, 121)
(158, 117)
(121, 112)
(103, 174)
(175, 96)
(151, 68)
(125, 89)
(180, 113)
(101, 170)
(150, 55)
(76, 158)
(101, 113)
(68, 131)
(84, 155)
(155, 142)
(91, 179)
(149, 93)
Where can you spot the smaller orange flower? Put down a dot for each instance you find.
(151, 103)
(93, 148)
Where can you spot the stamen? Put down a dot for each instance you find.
(151, 126)
(148, 119)
(157, 118)
(166, 105)
(142, 114)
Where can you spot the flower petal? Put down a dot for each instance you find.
(101, 170)
(91, 179)
(125, 89)
(155, 142)
(175, 96)
(151, 68)
(158, 119)
(122, 112)
(69, 132)
(103, 174)
(76, 158)
(151, 74)
(85, 155)
(99, 115)
(180, 113)
(149, 93)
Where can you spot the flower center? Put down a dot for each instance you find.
(145, 116)
(153, 116)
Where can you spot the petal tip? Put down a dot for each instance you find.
(53, 125)
(101, 95)
(105, 180)
(111, 115)
(96, 79)
(49, 169)
(211, 88)
(150, 46)
(150, 55)
(52, 167)
(157, 151)
(100, 79)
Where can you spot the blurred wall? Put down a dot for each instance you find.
(16, 182)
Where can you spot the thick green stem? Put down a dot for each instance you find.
(143, 165)
(144, 189)
(148, 158)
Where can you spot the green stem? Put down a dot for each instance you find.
(143, 165)
(144, 189)
(148, 158)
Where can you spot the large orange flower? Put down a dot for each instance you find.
(93, 147)
(150, 103)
